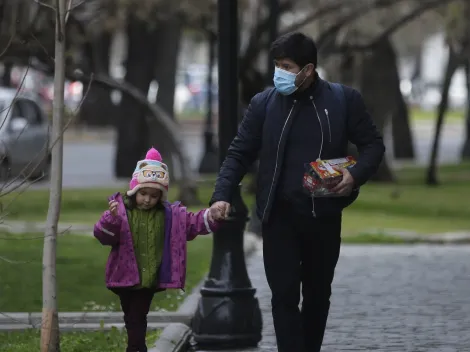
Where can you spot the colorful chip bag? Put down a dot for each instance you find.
(320, 176)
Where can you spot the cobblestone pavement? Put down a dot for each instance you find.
(390, 299)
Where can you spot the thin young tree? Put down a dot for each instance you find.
(50, 341)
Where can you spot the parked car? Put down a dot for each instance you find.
(73, 93)
(24, 136)
(195, 78)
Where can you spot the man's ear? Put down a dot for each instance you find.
(307, 71)
(310, 70)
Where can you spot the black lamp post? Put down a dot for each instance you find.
(274, 13)
(228, 314)
(209, 163)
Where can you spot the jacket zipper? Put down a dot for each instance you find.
(321, 128)
(321, 146)
(328, 121)
(277, 157)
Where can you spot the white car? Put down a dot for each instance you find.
(24, 136)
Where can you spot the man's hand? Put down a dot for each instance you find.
(219, 211)
(113, 207)
(345, 187)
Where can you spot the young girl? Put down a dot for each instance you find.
(148, 238)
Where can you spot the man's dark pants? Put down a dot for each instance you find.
(299, 249)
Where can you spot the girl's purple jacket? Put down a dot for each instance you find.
(180, 226)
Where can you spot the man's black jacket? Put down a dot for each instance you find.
(265, 128)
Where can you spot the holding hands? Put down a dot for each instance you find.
(219, 211)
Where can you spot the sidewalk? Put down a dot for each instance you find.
(408, 298)
(108, 134)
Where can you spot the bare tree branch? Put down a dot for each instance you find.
(330, 34)
(253, 47)
(42, 47)
(314, 15)
(424, 7)
(9, 261)
(45, 5)
(71, 8)
(8, 45)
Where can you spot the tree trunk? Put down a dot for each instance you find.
(50, 341)
(466, 145)
(452, 65)
(97, 108)
(251, 82)
(168, 44)
(166, 65)
(209, 163)
(379, 71)
(418, 68)
(403, 147)
(6, 77)
(132, 127)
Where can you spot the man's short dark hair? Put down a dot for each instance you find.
(295, 46)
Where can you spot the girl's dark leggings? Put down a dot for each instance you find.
(135, 305)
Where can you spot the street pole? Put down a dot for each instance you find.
(274, 13)
(228, 315)
(273, 29)
(208, 163)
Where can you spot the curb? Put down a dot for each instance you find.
(77, 319)
(78, 326)
(175, 337)
(409, 237)
(19, 227)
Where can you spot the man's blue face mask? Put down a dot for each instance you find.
(284, 81)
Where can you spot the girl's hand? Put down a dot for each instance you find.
(210, 217)
(113, 207)
(220, 210)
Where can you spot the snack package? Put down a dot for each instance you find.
(320, 176)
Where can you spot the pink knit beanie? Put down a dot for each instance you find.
(150, 172)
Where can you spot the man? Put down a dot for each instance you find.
(300, 120)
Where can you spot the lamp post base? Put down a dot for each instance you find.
(224, 321)
(228, 314)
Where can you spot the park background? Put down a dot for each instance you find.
(133, 66)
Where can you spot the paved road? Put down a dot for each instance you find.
(390, 299)
(90, 164)
(450, 143)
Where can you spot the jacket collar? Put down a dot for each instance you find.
(315, 89)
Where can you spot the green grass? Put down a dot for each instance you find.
(411, 205)
(78, 206)
(417, 114)
(99, 341)
(408, 204)
(191, 115)
(80, 274)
